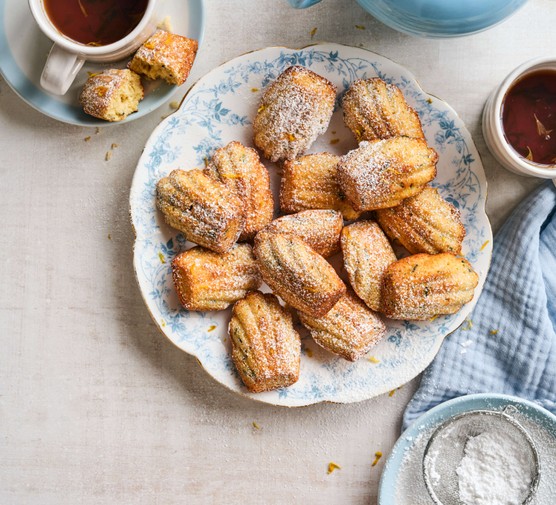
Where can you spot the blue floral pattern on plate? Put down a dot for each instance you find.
(219, 109)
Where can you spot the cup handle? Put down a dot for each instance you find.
(303, 4)
(60, 70)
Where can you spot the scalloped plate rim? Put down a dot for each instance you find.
(438, 342)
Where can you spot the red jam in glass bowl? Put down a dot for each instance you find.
(529, 116)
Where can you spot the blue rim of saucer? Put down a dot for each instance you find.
(441, 413)
(49, 105)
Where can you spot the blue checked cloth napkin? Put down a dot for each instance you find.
(508, 344)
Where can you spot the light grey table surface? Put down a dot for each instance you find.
(95, 405)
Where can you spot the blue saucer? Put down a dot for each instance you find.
(24, 48)
(437, 415)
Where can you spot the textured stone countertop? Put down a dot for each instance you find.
(96, 406)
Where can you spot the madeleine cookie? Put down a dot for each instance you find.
(205, 280)
(310, 182)
(374, 109)
(424, 223)
(165, 56)
(381, 173)
(349, 329)
(319, 229)
(266, 349)
(111, 95)
(422, 286)
(241, 170)
(294, 110)
(298, 274)
(367, 254)
(203, 209)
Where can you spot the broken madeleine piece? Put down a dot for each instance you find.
(424, 223)
(165, 56)
(294, 110)
(319, 229)
(367, 254)
(375, 109)
(205, 280)
(310, 182)
(349, 329)
(112, 95)
(296, 273)
(241, 170)
(422, 286)
(266, 349)
(381, 173)
(203, 209)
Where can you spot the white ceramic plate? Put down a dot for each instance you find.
(24, 48)
(219, 109)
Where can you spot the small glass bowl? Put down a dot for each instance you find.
(493, 130)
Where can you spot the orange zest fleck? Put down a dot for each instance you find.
(360, 27)
(313, 32)
(334, 141)
(309, 352)
(256, 425)
(529, 154)
(212, 327)
(161, 258)
(378, 455)
(493, 332)
(333, 466)
(391, 393)
(372, 359)
(254, 90)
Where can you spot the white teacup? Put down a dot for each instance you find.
(67, 56)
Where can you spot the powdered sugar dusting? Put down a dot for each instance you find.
(495, 470)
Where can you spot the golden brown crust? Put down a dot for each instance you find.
(424, 223)
(112, 94)
(298, 274)
(422, 286)
(203, 209)
(205, 280)
(374, 109)
(241, 170)
(266, 349)
(320, 229)
(294, 110)
(381, 173)
(310, 182)
(165, 56)
(349, 329)
(367, 254)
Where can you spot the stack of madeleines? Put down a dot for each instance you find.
(227, 209)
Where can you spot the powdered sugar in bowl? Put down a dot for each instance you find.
(481, 458)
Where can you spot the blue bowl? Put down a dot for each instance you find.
(435, 18)
(441, 18)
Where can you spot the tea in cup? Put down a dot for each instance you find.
(90, 30)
